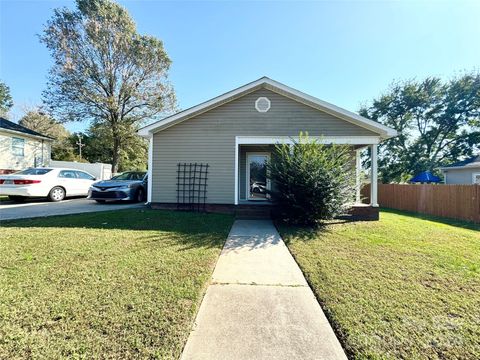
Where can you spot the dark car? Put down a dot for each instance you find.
(128, 186)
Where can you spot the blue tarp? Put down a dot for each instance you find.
(425, 177)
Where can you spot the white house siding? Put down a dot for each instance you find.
(210, 138)
(33, 149)
(461, 176)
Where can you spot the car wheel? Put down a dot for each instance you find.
(56, 194)
(100, 201)
(17, 198)
(139, 195)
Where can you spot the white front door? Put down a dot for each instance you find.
(257, 181)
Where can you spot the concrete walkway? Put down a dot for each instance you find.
(259, 305)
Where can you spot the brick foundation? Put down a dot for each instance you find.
(362, 212)
(213, 208)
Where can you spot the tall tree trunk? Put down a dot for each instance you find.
(116, 154)
(116, 144)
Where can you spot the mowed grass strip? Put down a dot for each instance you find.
(404, 287)
(123, 284)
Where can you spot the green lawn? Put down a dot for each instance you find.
(120, 284)
(402, 287)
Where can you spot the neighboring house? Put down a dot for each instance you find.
(21, 147)
(463, 172)
(235, 134)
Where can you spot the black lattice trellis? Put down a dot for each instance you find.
(192, 186)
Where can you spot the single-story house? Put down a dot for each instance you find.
(234, 134)
(21, 147)
(463, 172)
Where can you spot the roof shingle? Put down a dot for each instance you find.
(8, 125)
(473, 161)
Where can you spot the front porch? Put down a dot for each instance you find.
(251, 181)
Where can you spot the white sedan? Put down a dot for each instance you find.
(52, 183)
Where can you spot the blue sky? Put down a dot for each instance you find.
(343, 52)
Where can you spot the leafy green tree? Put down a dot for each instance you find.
(105, 72)
(6, 101)
(97, 140)
(311, 181)
(438, 123)
(43, 123)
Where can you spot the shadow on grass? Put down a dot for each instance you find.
(192, 229)
(442, 220)
(307, 233)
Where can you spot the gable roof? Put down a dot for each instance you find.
(9, 126)
(472, 162)
(272, 85)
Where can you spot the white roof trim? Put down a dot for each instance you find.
(272, 85)
(475, 165)
(269, 140)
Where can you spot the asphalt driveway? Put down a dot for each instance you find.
(39, 208)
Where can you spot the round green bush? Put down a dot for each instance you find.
(311, 181)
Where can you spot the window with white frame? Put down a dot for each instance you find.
(18, 146)
(476, 178)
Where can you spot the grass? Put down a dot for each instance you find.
(123, 284)
(405, 287)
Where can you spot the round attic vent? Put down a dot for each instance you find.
(262, 104)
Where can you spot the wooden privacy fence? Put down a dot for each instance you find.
(452, 201)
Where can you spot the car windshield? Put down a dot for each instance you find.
(33, 171)
(131, 175)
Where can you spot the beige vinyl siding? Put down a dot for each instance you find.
(210, 138)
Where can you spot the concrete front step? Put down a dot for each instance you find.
(249, 213)
(251, 217)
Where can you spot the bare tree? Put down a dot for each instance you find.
(105, 72)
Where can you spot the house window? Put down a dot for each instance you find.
(18, 146)
(476, 178)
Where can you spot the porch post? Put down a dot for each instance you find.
(358, 169)
(373, 176)
(150, 169)
(235, 192)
